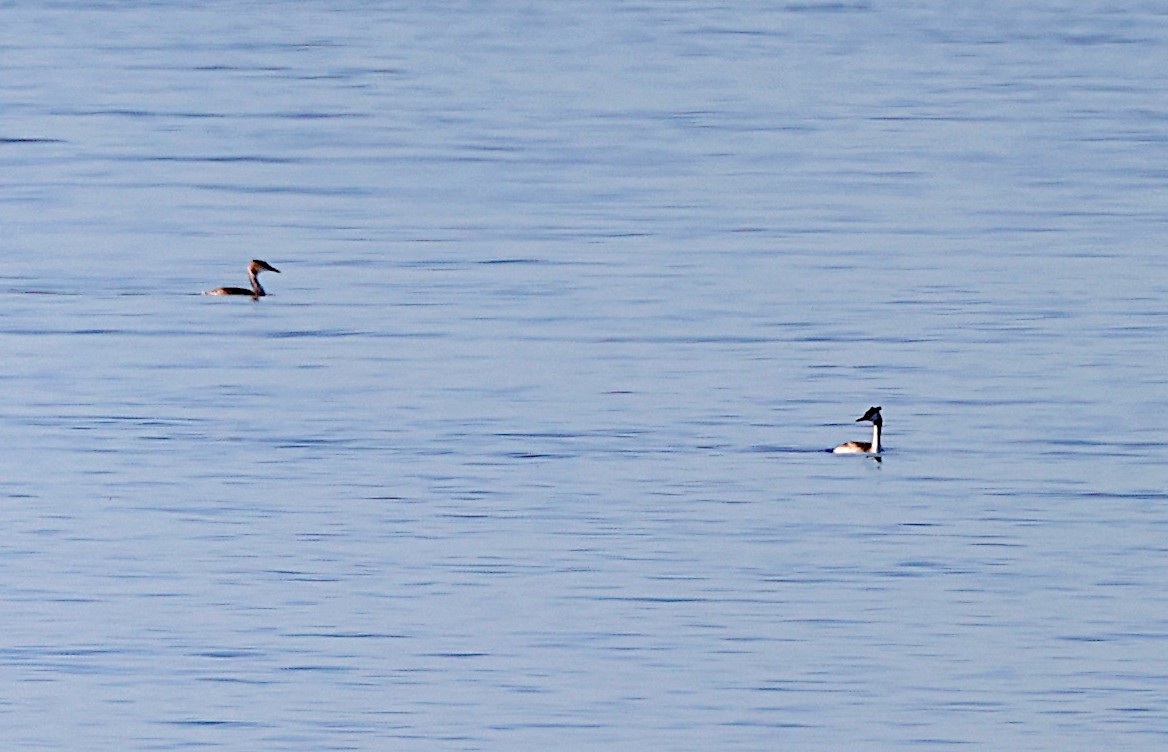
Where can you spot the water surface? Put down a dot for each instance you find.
(524, 448)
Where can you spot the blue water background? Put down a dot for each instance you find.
(523, 451)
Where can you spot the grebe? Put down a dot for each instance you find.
(253, 270)
(863, 447)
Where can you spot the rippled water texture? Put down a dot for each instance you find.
(524, 448)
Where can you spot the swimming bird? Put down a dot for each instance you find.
(253, 270)
(863, 447)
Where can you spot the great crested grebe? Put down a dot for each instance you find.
(253, 270)
(863, 447)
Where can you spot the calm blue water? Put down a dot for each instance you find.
(522, 451)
